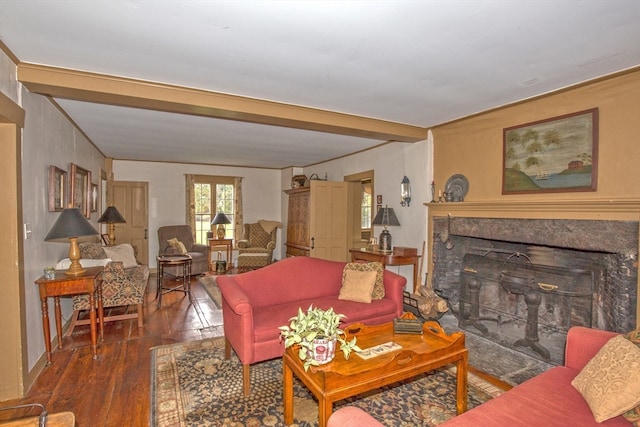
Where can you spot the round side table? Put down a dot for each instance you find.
(183, 261)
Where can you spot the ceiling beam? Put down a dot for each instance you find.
(126, 92)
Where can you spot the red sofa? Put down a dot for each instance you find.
(548, 399)
(256, 303)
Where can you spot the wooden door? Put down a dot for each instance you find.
(328, 220)
(131, 200)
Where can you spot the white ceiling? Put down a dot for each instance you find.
(415, 62)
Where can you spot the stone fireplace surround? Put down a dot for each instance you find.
(602, 235)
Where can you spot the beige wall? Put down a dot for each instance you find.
(473, 146)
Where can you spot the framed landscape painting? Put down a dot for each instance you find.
(559, 154)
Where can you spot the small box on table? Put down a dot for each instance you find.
(404, 251)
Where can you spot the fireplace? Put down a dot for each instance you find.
(523, 283)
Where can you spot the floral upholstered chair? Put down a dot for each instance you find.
(256, 249)
(121, 287)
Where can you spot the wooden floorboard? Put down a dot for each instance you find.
(115, 390)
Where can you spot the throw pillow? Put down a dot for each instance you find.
(124, 253)
(610, 382)
(378, 288)
(177, 245)
(357, 285)
(633, 414)
(91, 251)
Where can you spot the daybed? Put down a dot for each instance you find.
(256, 303)
(548, 399)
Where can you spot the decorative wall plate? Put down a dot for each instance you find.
(457, 186)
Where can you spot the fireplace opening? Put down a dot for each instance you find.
(524, 283)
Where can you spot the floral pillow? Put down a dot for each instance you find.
(610, 382)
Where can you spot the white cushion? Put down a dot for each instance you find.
(124, 253)
(64, 264)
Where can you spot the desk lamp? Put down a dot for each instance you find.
(220, 220)
(111, 217)
(385, 217)
(70, 225)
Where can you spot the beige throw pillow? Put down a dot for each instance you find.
(357, 285)
(610, 382)
(177, 245)
(124, 253)
(378, 287)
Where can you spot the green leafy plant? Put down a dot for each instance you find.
(315, 323)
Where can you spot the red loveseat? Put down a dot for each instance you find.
(256, 303)
(548, 399)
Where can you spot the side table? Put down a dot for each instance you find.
(218, 243)
(387, 259)
(90, 282)
(174, 260)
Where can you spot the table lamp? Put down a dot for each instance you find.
(111, 216)
(70, 225)
(220, 220)
(385, 217)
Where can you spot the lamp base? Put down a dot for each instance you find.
(75, 269)
(220, 232)
(384, 244)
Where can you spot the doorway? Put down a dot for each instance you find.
(361, 208)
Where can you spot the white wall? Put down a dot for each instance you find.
(390, 163)
(261, 191)
(48, 138)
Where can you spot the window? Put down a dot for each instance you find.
(366, 208)
(212, 194)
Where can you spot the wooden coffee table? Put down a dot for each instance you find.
(342, 378)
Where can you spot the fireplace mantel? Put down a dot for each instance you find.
(616, 210)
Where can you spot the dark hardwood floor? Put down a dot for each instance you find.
(115, 390)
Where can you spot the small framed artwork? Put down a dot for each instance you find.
(105, 239)
(94, 197)
(379, 199)
(554, 155)
(57, 189)
(80, 189)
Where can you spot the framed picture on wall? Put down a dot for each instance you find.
(57, 189)
(80, 189)
(554, 155)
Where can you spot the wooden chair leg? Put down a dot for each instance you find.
(140, 316)
(74, 320)
(246, 380)
(227, 349)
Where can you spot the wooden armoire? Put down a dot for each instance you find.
(317, 220)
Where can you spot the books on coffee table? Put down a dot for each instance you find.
(378, 350)
(407, 326)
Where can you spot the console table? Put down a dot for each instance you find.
(387, 259)
(62, 285)
(217, 243)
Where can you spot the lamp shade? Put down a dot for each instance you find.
(111, 216)
(386, 216)
(70, 223)
(220, 218)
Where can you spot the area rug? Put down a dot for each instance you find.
(192, 385)
(208, 282)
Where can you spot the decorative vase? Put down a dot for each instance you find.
(323, 350)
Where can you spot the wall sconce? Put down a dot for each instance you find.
(220, 220)
(405, 192)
